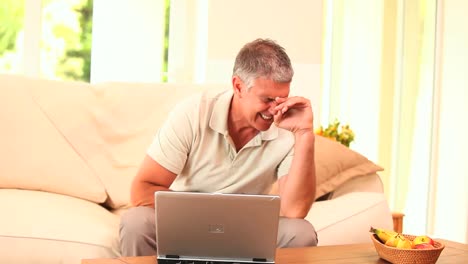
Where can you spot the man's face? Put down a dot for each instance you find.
(258, 102)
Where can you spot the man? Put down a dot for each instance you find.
(226, 142)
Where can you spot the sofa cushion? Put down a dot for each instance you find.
(42, 227)
(335, 164)
(35, 154)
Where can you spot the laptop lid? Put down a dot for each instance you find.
(216, 227)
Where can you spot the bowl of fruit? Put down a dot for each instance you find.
(402, 248)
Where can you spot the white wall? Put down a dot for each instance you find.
(32, 38)
(127, 40)
(296, 25)
(207, 34)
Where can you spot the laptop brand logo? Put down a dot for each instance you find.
(216, 228)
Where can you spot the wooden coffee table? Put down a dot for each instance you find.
(357, 253)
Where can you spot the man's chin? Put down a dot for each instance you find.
(264, 126)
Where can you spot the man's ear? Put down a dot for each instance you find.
(237, 85)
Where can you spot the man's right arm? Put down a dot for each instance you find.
(151, 177)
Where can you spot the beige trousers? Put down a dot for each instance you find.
(138, 236)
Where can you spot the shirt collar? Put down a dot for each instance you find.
(219, 118)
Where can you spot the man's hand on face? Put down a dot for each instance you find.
(294, 114)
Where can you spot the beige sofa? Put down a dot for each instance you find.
(69, 151)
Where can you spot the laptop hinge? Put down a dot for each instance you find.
(173, 256)
(259, 260)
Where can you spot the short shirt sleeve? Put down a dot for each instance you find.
(285, 165)
(171, 145)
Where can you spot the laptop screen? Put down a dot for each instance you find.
(234, 228)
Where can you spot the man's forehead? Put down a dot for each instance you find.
(270, 89)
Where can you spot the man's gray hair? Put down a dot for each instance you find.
(263, 58)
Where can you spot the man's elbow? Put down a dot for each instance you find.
(297, 211)
(134, 201)
(139, 201)
(299, 215)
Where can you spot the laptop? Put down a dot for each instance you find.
(216, 228)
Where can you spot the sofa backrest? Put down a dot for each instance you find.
(79, 139)
(88, 140)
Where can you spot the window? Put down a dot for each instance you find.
(52, 41)
(11, 32)
(65, 45)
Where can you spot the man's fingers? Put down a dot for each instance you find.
(284, 104)
(281, 99)
(277, 118)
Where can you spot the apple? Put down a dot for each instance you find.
(423, 246)
(423, 239)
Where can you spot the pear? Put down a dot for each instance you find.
(393, 241)
(404, 243)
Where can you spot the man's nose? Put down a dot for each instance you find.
(271, 107)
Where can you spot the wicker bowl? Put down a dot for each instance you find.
(406, 256)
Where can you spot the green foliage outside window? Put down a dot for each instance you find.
(81, 51)
(167, 6)
(65, 49)
(11, 22)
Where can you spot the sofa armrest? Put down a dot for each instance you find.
(347, 219)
